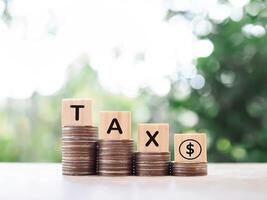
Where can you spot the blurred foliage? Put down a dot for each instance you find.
(231, 108)
(30, 129)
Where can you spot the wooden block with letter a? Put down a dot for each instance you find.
(76, 112)
(190, 148)
(115, 125)
(153, 137)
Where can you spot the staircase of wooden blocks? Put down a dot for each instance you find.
(109, 151)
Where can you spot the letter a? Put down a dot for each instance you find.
(117, 127)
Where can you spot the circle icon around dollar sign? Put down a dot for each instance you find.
(190, 149)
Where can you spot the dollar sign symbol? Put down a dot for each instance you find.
(190, 149)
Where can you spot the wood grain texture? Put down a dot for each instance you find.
(69, 115)
(118, 120)
(153, 137)
(31, 181)
(190, 148)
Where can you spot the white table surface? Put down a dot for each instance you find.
(44, 181)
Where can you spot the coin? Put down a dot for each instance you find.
(151, 163)
(151, 173)
(79, 150)
(115, 157)
(108, 173)
(189, 169)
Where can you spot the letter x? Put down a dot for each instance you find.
(152, 138)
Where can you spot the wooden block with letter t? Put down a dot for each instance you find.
(190, 148)
(76, 112)
(115, 125)
(153, 137)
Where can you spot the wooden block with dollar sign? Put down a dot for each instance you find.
(190, 148)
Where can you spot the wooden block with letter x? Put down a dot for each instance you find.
(115, 125)
(76, 112)
(153, 137)
(190, 148)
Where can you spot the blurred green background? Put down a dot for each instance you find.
(231, 107)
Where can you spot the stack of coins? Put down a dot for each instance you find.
(189, 169)
(115, 157)
(152, 163)
(79, 150)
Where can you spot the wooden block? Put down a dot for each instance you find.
(115, 125)
(190, 148)
(153, 137)
(76, 112)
